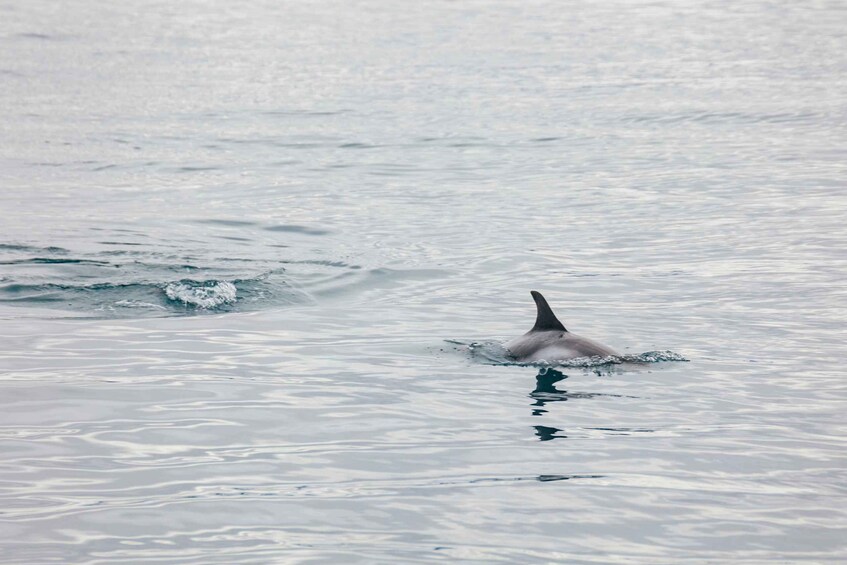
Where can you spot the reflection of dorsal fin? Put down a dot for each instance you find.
(545, 320)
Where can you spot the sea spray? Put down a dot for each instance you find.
(204, 295)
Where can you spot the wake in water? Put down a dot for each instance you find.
(178, 297)
(119, 283)
(493, 353)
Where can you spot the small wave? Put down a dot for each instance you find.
(143, 282)
(52, 261)
(722, 117)
(204, 295)
(493, 353)
(307, 230)
(35, 35)
(181, 297)
(139, 304)
(30, 248)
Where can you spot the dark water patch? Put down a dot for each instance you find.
(297, 229)
(357, 146)
(227, 223)
(547, 433)
(119, 243)
(77, 268)
(50, 292)
(36, 35)
(469, 144)
(51, 261)
(554, 478)
(286, 162)
(155, 267)
(323, 263)
(531, 478)
(32, 249)
(305, 113)
(121, 230)
(196, 168)
(623, 431)
(721, 118)
(455, 141)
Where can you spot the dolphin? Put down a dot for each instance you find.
(548, 340)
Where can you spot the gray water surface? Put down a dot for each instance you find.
(255, 262)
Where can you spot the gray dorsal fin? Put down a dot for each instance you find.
(545, 320)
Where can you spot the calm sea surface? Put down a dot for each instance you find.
(255, 262)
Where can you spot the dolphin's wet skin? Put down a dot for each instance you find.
(549, 341)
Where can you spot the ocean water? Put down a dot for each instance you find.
(256, 262)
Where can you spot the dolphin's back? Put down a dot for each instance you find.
(548, 340)
(555, 346)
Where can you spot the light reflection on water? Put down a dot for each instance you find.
(353, 204)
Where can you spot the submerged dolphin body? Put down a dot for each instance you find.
(548, 340)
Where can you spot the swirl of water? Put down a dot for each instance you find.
(203, 295)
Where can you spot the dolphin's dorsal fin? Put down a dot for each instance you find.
(545, 320)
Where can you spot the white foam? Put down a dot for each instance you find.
(210, 294)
